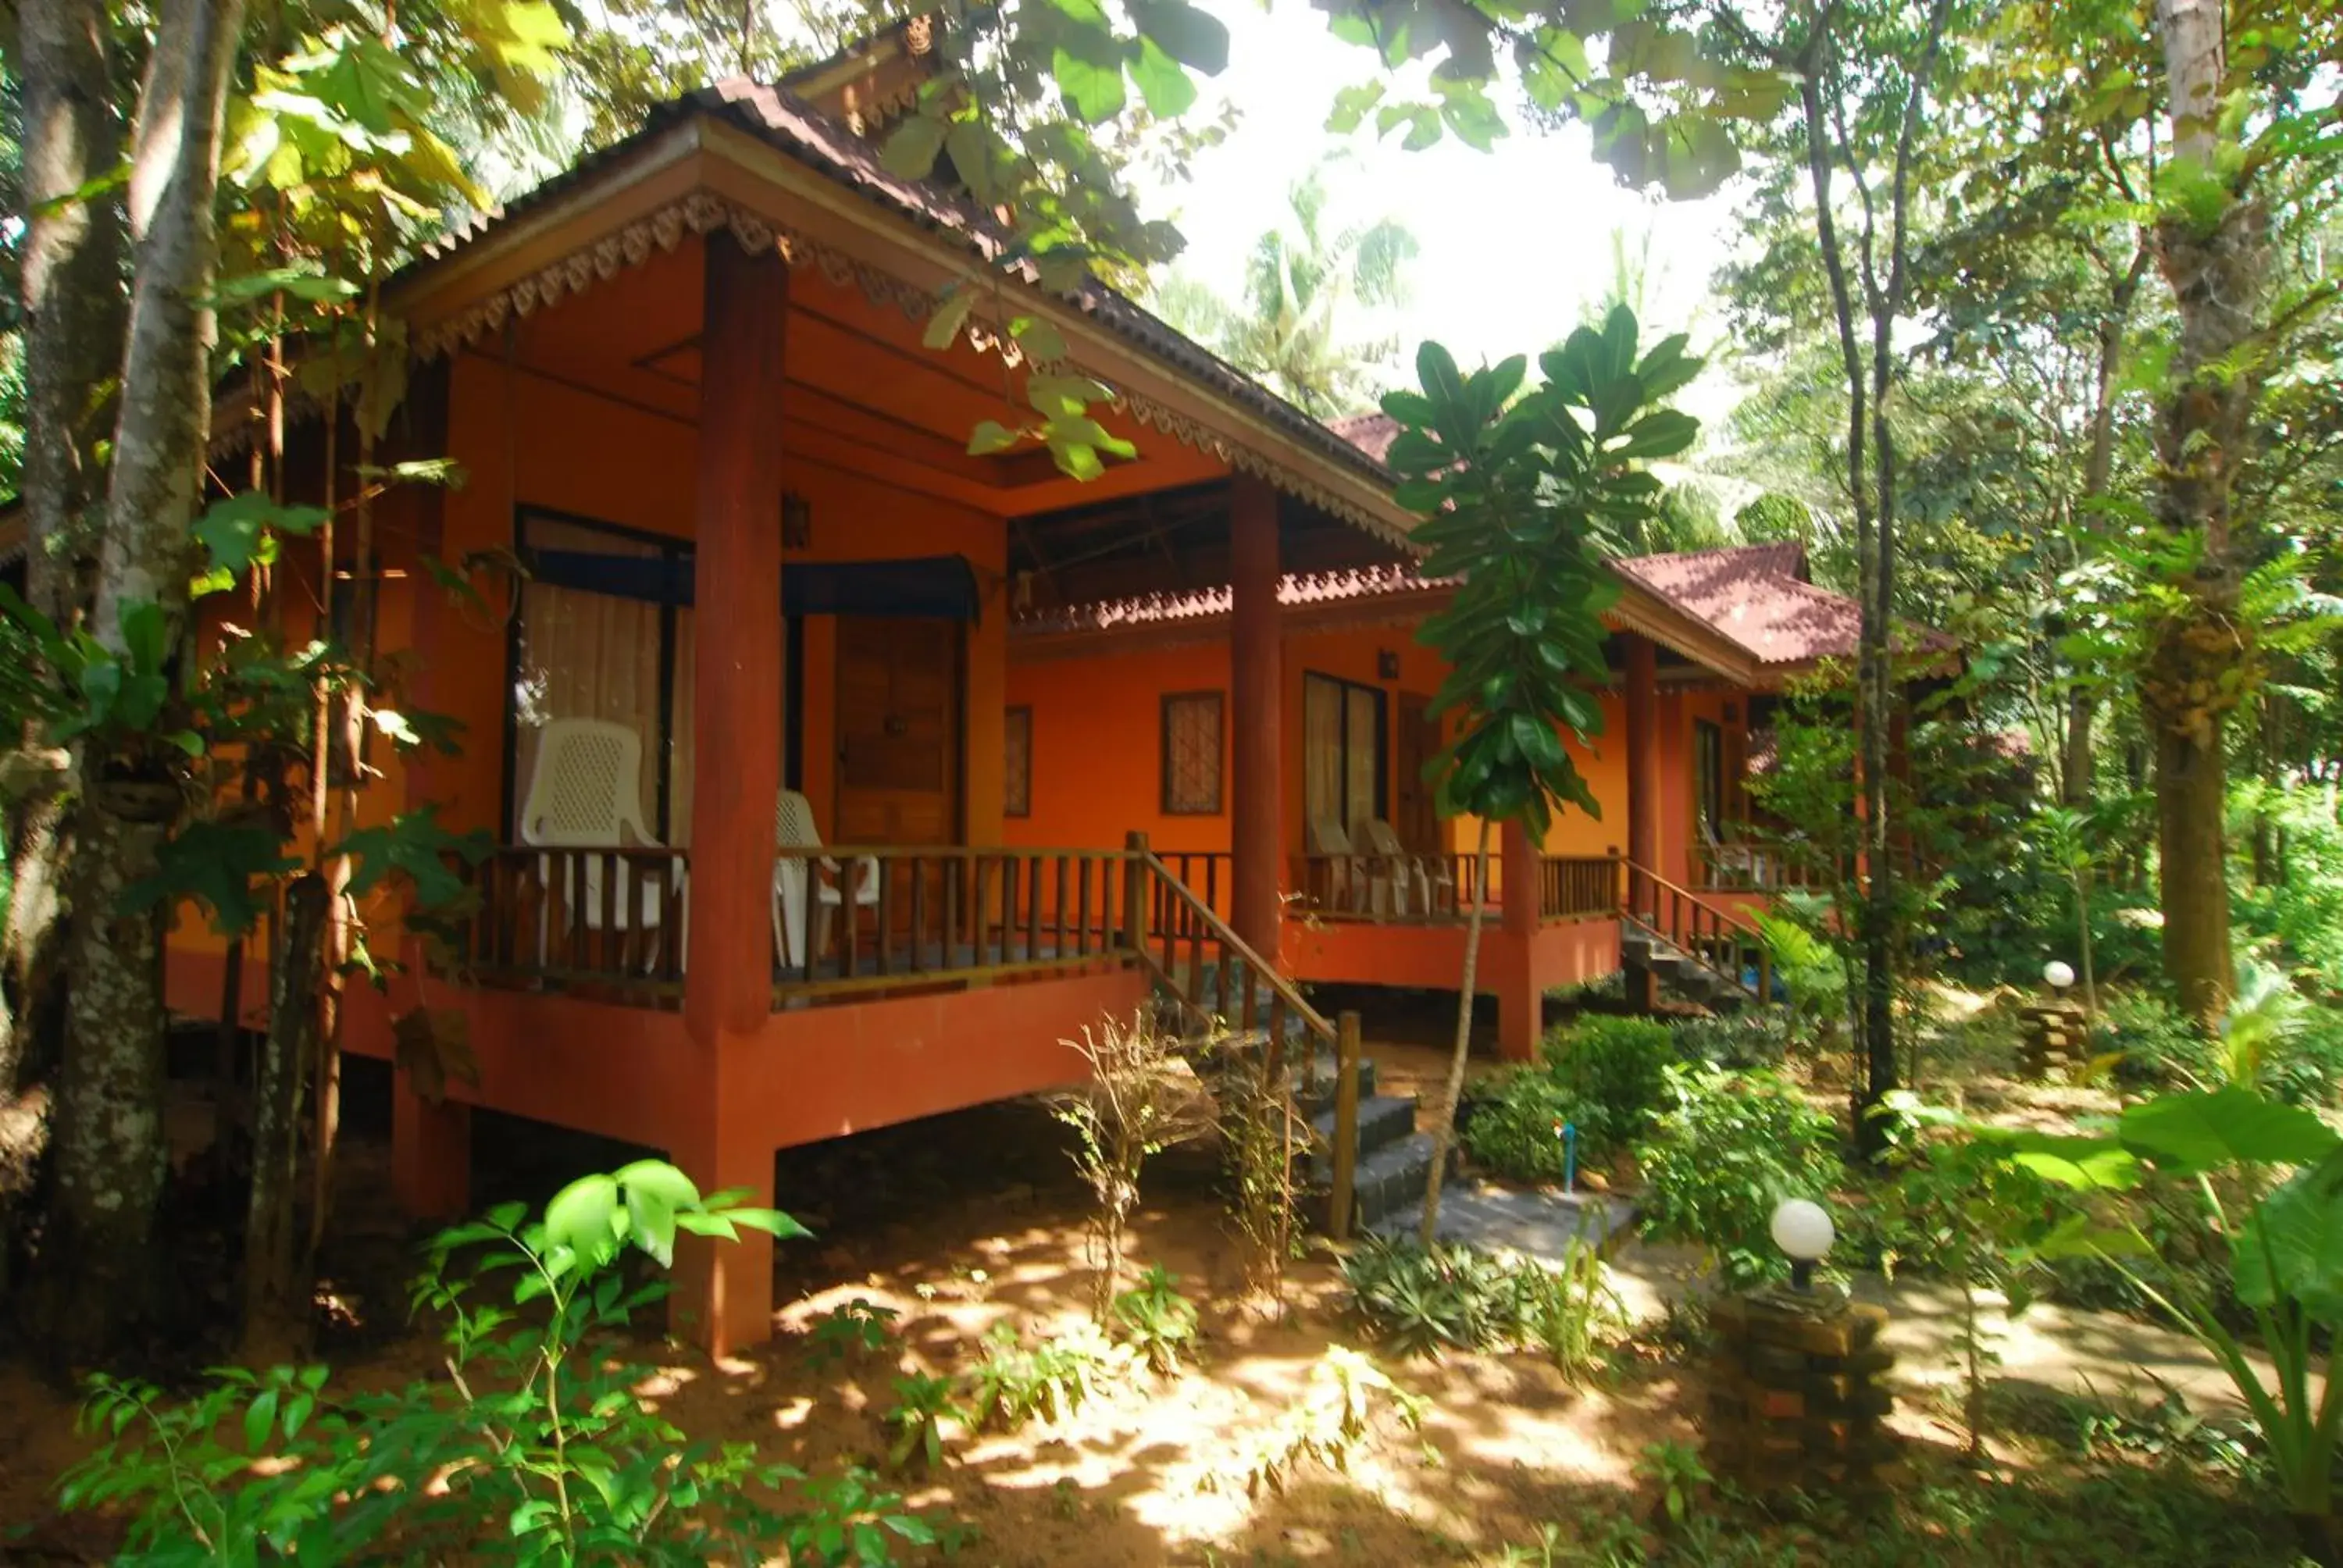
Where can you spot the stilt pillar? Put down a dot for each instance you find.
(430, 1153)
(724, 1290)
(1257, 751)
(1521, 990)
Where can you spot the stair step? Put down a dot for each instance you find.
(1388, 1183)
(1314, 1083)
(1383, 1120)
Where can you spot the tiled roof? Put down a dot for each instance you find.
(795, 128)
(1754, 596)
(1293, 589)
(1370, 433)
(1757, 596)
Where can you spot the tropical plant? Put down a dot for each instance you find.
(923, 1404)
(1727, 1148)
(1015, 1383)
(534, 1449)
(2268, 1178)
(1675, 1471)
(1615, 1068)
(859, 1327)
(1511, 486)
(1421, 1302)
(1301, 286)
(1325, 1425)
(1516, 1125)
(1141, 1098)
(1157, 1321)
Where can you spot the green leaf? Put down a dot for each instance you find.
(581, 1218)
(951, 316)
(910, 150)
(1088, 69)
(2086, 1164)
(991, 435)
(259, 1421)
(2297, 1232)
(2205, 1131)
(232, 530)
(413, 845)
(1351, 106)
(215, 863)
(1162, 84)
(1196, 38)
(1041, 342)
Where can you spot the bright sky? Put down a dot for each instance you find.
(1515, 242)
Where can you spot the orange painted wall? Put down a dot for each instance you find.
(1098, 745)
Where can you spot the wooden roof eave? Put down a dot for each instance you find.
(1045, 645)
(703, 173)
(1642, 611)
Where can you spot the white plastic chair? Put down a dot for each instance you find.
(584, 792)
(793, 828)
(1424, 881)
(1356, 885)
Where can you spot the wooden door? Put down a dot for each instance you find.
(899, 719)
(1414, 819)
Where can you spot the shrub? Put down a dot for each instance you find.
(1752, 1037)
(1613, 1067)
(1513, 1128)
(1013, 1384)
(1725, 1152)
(1456, 1297)
(923, 1404)
(532, 1450)
(1157, 1321)
(859, 1327)
(2152, 1042)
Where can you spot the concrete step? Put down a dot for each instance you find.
(1390, 1183)
(1383, 1120)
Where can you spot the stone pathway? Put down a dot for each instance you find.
(1542, 1222)
(2103, 1355)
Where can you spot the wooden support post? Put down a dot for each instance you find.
(1134, 892)
(1346, 1123)
(724, 1294)
(1257, 742)
(1521, 997)
(430, 1153)
(1643, 784)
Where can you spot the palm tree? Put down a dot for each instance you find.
(1289, 327)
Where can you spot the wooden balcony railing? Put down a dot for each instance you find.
(615, 922)
(1578, 887)
(606, 920)
(1738, 866)
(936, 914)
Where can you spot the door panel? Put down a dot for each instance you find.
(897, 731)
(1416, 821)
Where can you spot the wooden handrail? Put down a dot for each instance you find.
(1696, 926)
(1232, 946)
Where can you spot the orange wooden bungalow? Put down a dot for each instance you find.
(772, 598)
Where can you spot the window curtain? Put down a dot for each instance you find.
(1362, 754)
(1322, 752)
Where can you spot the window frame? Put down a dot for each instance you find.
(1170, 700)
(669, 549)
(1709, 794)
(1016, 717)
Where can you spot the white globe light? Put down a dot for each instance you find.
(1803, 1229)
(2059, 973)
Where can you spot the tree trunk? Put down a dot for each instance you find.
(1443, 1130)
(73, 312)
(275, 1298)
(110, 1154)
(109, 1157)
(2218, 271)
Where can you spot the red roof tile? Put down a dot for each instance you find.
(1759, 596)
(1370, 433)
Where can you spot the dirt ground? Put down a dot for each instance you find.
(972, 1220)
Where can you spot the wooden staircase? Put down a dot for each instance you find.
(1707, 953)
(1361, 1162)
